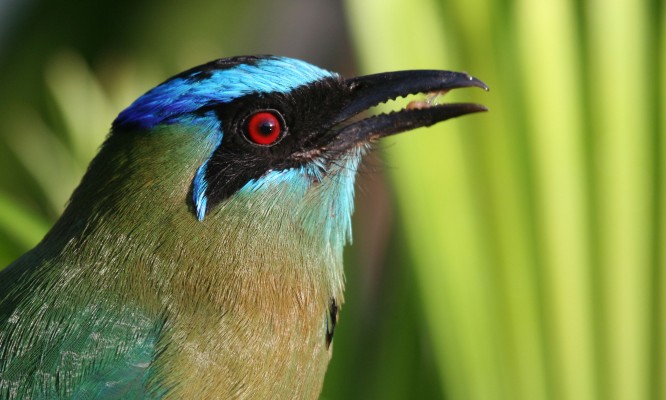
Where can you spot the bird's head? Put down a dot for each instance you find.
(263, 126)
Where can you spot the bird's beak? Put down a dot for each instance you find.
(370, 90)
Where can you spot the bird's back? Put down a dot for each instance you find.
(59, 339)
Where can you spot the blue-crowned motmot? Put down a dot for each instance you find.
(201, 255)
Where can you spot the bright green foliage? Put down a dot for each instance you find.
(537, 231)
(26, 228)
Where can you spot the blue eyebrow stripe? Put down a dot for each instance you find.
(187, 94)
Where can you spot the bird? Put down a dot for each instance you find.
(200, 257)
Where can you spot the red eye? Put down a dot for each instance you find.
(263, 128)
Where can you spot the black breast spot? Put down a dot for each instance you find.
(331, 321)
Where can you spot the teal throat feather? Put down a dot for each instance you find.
(201, 255)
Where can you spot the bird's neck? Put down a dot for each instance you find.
(264, 267)
(287, 226)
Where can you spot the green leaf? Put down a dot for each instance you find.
(536, 231)
(20, 224)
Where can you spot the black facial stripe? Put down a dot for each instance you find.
(307, 112)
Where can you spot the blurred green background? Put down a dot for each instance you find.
(518, 254)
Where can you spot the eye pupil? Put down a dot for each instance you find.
(266, 127)
(263, 128)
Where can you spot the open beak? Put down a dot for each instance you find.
(370, 90)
